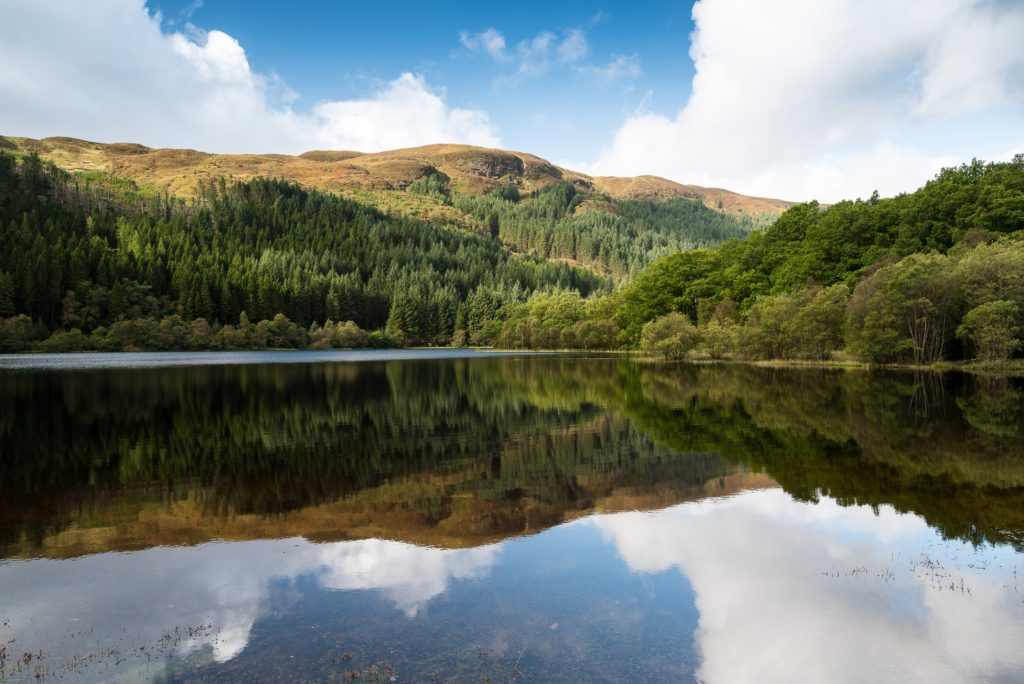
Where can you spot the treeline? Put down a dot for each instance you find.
(922, 277)
(614, 237)
(99, 258)
(173, 333)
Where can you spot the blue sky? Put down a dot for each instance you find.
(798, 99)
(334, 50)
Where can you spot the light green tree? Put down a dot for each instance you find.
(672, 336)
(992, 330)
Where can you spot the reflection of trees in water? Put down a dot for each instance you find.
(527, 439)
(949, 447)
(271, 439)
(995, 407)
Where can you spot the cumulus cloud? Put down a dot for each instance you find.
(403, 114)
(795, 592)
(806, 99)
(223, 587)
(106, 70)
(410, 576)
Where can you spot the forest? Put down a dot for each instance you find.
(92, 262)
(614, 237)
(89, 261)
(933, 275)
(264, 263)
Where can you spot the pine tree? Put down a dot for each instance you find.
(6, 295)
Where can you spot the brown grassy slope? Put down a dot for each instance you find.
(381, 513)
(373, 177)
(655, 188)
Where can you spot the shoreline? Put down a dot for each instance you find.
(1009, 368)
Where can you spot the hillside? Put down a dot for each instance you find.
(660, 189)
(613, 227)
(374, 177)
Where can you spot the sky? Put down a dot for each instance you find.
(797, 99)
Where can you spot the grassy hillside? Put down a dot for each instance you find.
(375, 177)
(612, 226)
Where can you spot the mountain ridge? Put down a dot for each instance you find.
(372, 176)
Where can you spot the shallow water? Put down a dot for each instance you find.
(506, 517)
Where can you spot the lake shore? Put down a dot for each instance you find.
(1009, 368)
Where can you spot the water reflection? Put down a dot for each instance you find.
(447, 452)
(794, 592)
(753, 587)
(435, 517)
(134, 610)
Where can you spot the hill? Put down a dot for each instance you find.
(373, 177)
(611, 226)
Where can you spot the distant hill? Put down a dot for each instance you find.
(374, 177)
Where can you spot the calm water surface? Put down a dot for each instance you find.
(383, 516)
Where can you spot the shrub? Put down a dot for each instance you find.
(16, 333)
(672, 336)
(719, 339)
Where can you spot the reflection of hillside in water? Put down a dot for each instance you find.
(450, 453)
(464, 452)
(847, 593)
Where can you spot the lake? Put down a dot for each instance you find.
(458, 516)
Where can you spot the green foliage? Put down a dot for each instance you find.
(838, 244)
(74, 254)
(508, 192)
(915, 263)
(675, 284)
(345, 335)
(134, 270)
(905, 311)
(672, 336)
(558, 320)
(803, 324)
(6, 295)
(719, 339)
(616, 237)
(991, 272)
(432, 185)
(992, 329)
(16, 333)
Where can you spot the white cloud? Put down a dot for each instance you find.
(574, 47)
(805, 99)
(130, 601)
(489, 40)
(104, 70)
(532, 57)
(403, 114)
(618, 68)
(789, 592)
(410, 576)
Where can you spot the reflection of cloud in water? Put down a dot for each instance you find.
(408, 575)
(795, 592)
(212, 593)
